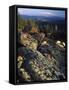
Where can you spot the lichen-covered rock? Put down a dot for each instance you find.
(28, 41)
(38, 66)
(57, 53)
(38, 36)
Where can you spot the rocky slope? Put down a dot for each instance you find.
(40, 61)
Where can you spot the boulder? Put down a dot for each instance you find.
(37, 65)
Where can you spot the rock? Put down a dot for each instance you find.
(38, 66)
(28, 41)
(24, 74)
(38, 36)
(56, 53)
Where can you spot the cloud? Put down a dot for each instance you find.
(47, 13)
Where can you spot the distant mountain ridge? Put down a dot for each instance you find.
(50, 19)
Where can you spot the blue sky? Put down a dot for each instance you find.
(41, 12)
